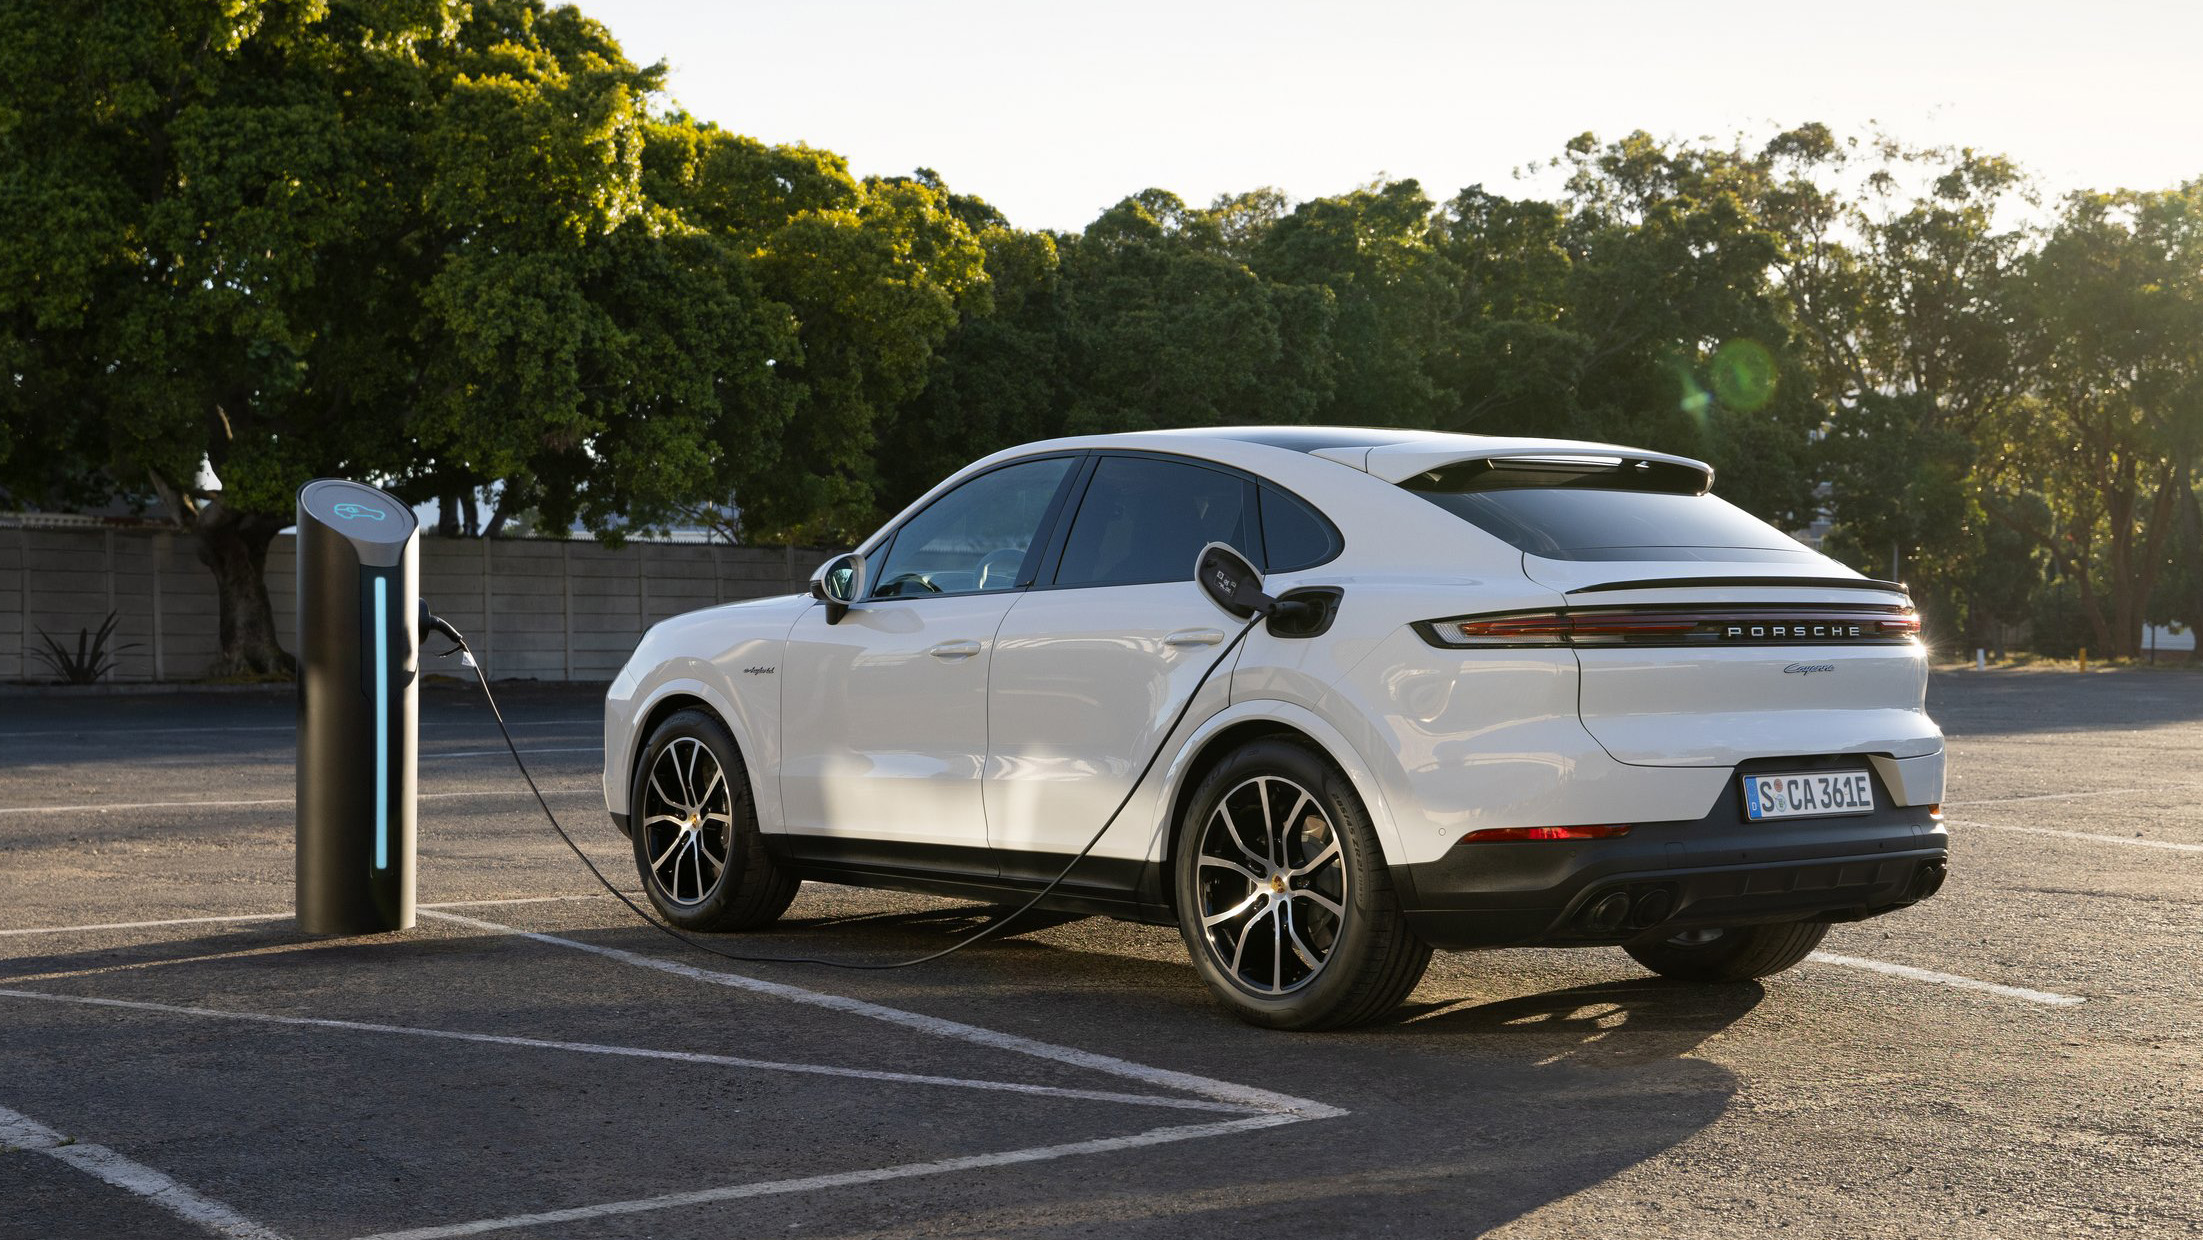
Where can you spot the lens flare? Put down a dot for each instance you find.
(1743, 375)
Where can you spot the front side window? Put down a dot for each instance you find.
(1144, 520)
(975, 538)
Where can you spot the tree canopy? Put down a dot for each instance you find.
(468, 250)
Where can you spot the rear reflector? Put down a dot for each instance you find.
(1750, 625)
(1501, 835)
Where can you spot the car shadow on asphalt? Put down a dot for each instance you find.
(951, 923)
(1638, 1020)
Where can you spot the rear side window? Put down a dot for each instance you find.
(1601, 509)
(1294, 536)
(1145, 520)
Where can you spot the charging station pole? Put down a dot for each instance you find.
(359, 585)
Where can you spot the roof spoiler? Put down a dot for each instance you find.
(1401, 461)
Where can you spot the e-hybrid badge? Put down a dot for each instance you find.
(1808, 794)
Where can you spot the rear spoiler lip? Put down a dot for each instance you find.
(1815, 583)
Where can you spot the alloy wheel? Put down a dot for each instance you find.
(688, 821)
(1272, 885)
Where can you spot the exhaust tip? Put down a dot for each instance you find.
(1929, 880)
(1607, 913)
(1653, 907)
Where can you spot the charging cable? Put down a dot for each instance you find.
(989, 930)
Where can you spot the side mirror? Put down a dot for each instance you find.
(839, 584)
(1230, 581)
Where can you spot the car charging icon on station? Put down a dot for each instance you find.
(355, 512)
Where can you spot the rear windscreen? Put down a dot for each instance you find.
(1601, 509)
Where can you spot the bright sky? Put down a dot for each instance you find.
(1054, 109)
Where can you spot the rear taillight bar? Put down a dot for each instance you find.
(1748, 625)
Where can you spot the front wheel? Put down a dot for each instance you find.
(697, 846)
(1734, 954)
(1283, 897)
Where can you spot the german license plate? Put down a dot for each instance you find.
(1808, 794)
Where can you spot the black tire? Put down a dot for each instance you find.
(747, 890)
(1369, 958)
(1735, 954)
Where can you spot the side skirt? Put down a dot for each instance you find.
(1099, 886)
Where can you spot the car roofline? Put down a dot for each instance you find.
(1389, 453)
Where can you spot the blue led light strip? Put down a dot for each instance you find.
(382, 724)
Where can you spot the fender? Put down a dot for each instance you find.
(683, 677)
(1301, 719)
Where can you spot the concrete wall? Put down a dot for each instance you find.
(533, 609)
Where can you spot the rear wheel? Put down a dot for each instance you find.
(1283, 897)
(697, 846)
(1733, 954)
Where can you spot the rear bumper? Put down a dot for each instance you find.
(1720, 870)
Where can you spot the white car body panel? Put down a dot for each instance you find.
(699, 656)
(1084, 681)
(1650, 708)
(884, 731)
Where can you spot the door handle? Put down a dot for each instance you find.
(954, 650)
(1194, 637)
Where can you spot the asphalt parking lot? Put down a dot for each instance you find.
(2018, 1057)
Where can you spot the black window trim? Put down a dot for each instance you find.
(1073, 481)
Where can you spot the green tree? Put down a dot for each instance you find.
(998, 380)
(1670, 331)
(1510, 358)
(2109, 434)
(1899, 269)
(400, 240)
(1394, 295)
(876, 274)
(1148, 318)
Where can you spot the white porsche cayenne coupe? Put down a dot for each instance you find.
(1537, 692)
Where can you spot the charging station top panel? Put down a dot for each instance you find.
(378, 525)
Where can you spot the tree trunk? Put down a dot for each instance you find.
(234, 547)
(503, 511)
(2120, 504)
(2191, 541)
(2091, 606)
(2144, 583)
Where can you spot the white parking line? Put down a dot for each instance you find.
(289, 800)
(2044, 997)
(2093, 838)
(1208, 1087)
(19, 1131)
(198, 921)
(845, 1179)
(637, 1052)
(147, 925)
